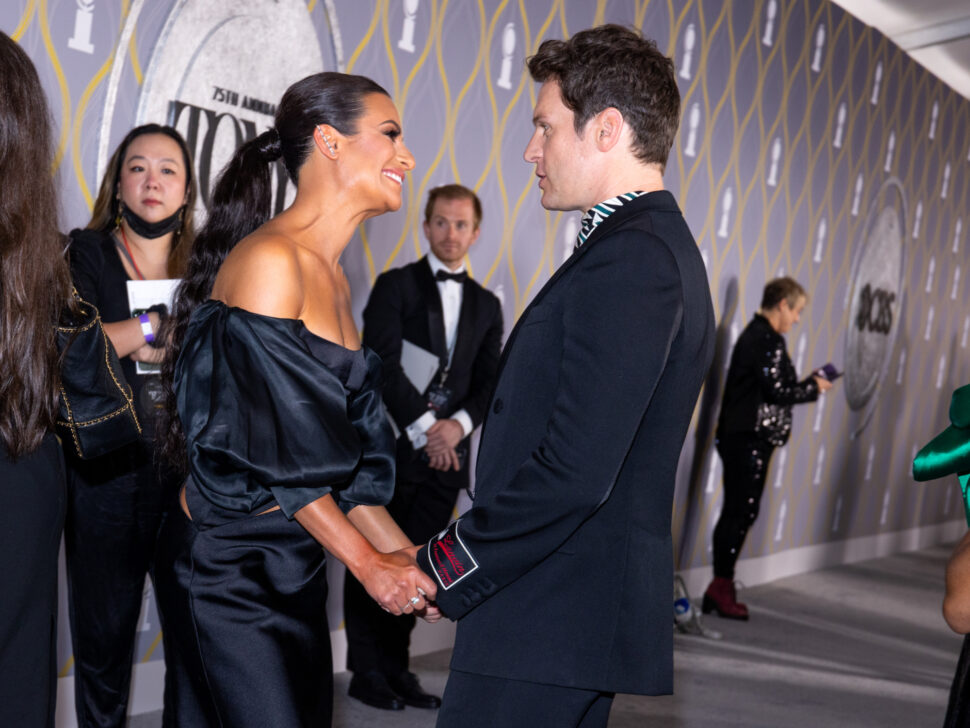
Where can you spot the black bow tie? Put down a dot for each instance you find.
(443, 275)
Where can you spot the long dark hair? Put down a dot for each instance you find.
(106, 207)
(241, 202)
(35, 283)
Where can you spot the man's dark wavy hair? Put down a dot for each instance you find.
(612, 66)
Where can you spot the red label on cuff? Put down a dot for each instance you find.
(450, 558)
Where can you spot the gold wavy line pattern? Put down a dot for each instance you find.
(842, 102)
(76, 132)
(65, 94)
(25, 19)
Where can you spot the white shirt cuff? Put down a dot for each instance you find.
(417, 429)
(465, 420)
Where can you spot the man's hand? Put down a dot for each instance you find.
(443, 435)
(430, 614)
(447, 460)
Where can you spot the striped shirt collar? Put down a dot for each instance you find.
(598, 213)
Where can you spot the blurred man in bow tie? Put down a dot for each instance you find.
(431, 307)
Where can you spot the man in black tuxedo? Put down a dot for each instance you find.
(561, 574)
(431, 304)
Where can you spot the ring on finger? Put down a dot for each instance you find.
(414, 600)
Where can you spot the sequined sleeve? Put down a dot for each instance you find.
(779, 384)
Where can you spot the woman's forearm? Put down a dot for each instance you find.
(377, 526)
(393, 580)
(127, 336)
(324, 520)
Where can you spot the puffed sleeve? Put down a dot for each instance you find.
(373, 484)
(263, 416)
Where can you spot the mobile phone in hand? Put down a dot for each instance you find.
(829, 372)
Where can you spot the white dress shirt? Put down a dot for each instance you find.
(451, 295)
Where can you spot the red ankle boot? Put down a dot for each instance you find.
(721, 597)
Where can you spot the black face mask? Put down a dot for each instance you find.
(152, 230)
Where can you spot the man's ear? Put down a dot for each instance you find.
(607, 126)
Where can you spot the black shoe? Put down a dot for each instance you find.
(371, 688)
(407, 686)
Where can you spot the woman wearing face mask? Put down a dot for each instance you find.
(141, 229)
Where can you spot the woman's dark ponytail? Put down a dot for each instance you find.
(240, 203)
(269, 144)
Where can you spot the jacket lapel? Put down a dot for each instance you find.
(466, 322)
(436, 319)
(654, 200)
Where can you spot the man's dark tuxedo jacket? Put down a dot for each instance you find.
(562, 571)
(405, 304)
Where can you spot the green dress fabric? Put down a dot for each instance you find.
(949, 452)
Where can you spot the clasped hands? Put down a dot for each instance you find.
(443, 437)
(396, 582)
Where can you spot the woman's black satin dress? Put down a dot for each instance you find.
(273, 415)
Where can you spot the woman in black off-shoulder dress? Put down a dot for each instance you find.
(275, 418)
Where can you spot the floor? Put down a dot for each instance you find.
(855, 646)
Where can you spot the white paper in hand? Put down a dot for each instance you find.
(419, 365)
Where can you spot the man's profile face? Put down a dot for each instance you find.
(451, 230)
(560, 155)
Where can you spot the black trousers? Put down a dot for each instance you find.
(243, 608)
(377, 640)
(34, 497)
(745, 459)
(115, 505)
(481, 701)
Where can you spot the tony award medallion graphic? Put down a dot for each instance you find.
(876, 299)
(216, 75)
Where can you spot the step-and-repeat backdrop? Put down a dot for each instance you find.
(810, 146)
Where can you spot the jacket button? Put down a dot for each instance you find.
(497, 407)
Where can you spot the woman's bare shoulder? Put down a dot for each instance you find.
(262, 274)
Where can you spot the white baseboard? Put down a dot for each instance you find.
(763, 569)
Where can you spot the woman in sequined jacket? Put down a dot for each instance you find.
(755, 418)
